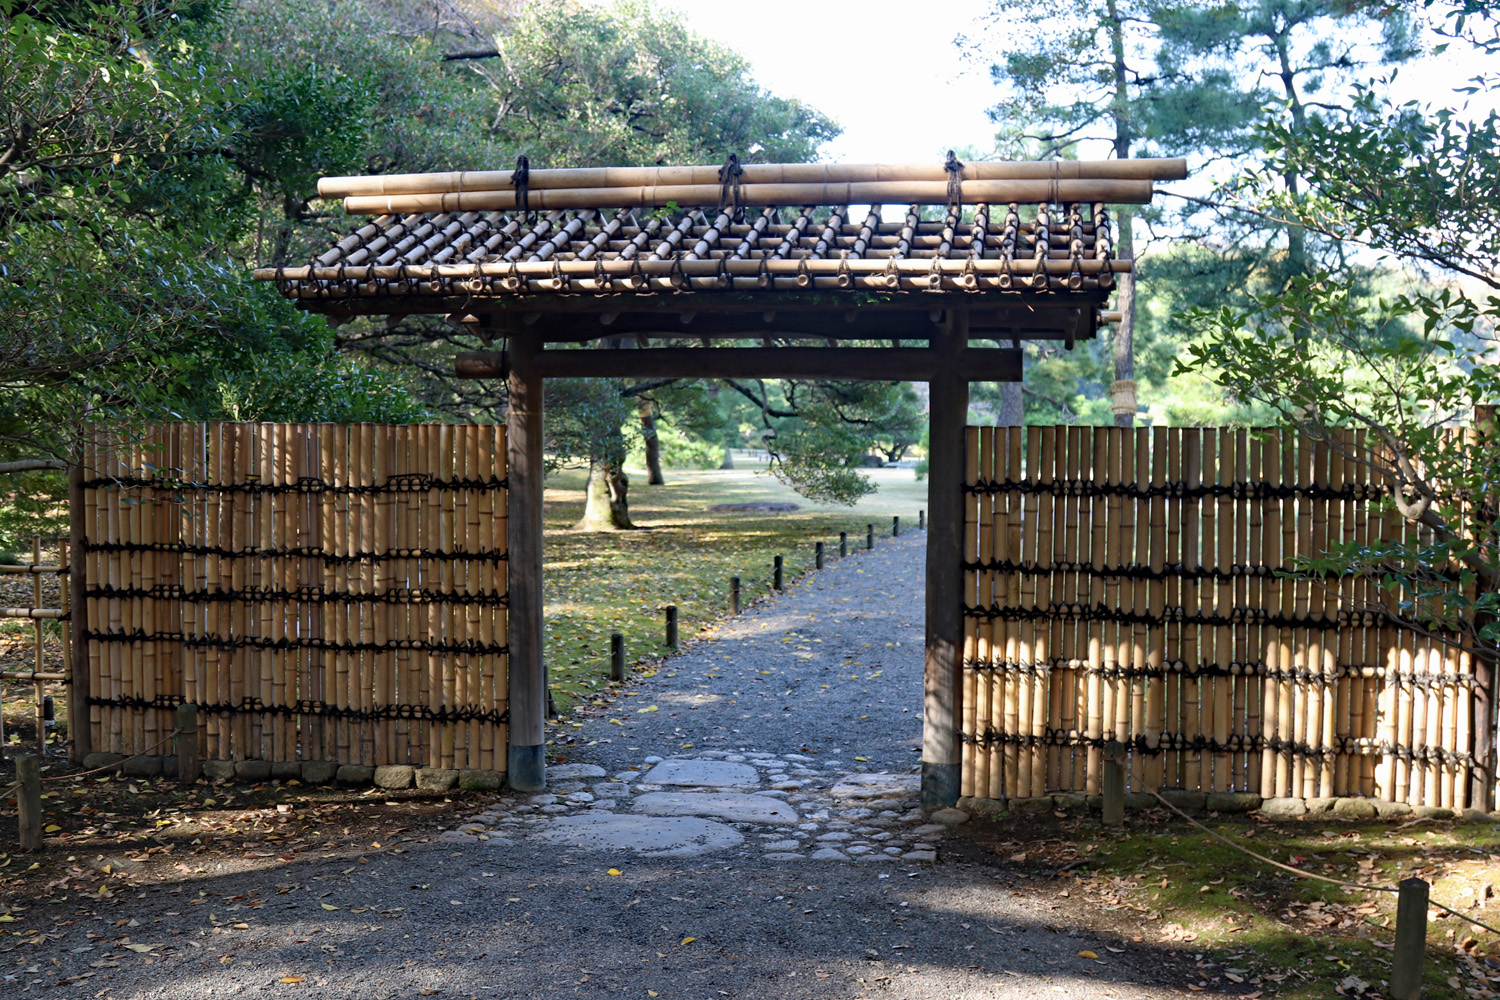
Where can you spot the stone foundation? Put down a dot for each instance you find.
(311, 772)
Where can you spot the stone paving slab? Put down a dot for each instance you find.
(647, 836)
(734, 806)
(702, 773)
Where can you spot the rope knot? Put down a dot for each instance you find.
(955, 170)
(729, 185)
(520, 179)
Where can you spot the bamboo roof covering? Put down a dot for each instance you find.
(440, 242)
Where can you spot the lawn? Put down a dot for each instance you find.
(1253, 929)
(602, 582)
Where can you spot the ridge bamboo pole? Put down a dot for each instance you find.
(753, 173)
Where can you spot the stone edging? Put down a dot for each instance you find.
(312, 772)
(1351, 808)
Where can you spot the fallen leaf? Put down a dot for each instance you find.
(688, 940)
(862, 758)
(141, 949)
(1087, 954)
(614, 871)
(327, 907)
(51, 828)
(294, 979)
(648, 708)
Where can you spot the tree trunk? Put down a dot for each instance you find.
(652, 444)
(1012, 400)
(606, 507)
(1124, 384)
(1123, 390)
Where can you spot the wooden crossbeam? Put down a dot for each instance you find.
(886, 364)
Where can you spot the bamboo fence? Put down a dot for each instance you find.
(320, 591)
(1121, 585)
(38, 614)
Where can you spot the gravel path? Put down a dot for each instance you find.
(679, 856)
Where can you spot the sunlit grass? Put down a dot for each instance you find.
(602, 582)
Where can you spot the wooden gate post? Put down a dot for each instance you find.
(526, 766)
(941, 710)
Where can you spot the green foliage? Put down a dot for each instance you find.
(627, 83)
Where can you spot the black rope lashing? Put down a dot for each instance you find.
(520, 179)
(409, 482)
(1177, 491)
(300, 595)
(955, 170)
(1183, 616)
(468, 647)
(729, 186)
(1338, 745)
(1258, 671)
(1169, 571)
(257, 706)
(298, 552)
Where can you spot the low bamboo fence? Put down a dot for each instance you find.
(1122, 585)
(39, 614)
(320, 591)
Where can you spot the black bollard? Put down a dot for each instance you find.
(734, 595)
(921, 520)
(843, 544)
(869, 536)
(776, 574)
(818, 554)
(616, 657)
(896, 526)
(672, 626)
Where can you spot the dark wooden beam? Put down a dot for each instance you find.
(878, 364)
(942, 708)
(526, 767)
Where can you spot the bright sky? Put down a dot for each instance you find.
(890, 74)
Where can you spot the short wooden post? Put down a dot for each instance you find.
(672, 626)
(1411, 940)
(616, 657)
(29, 798)
(1114, 784)
(921, 520)
(843, 544)
(188, 766)
(776, 574)
(869, 536)
(734, 595)
(896, 526)
(818, 554)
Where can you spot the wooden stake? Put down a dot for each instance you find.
(29, 801)
(1411, 940)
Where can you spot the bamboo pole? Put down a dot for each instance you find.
(408, 575)
(1111, 559)
(484, 514)
(370, 610)
(1344, 660)
(1112, 190)
(1156, 640)
(1225, 717)
(970, 724)
(1072, 757)
(1173, 762)
(753, 173)
(502, 614)
(1002, 690)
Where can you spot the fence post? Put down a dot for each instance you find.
(616, 656)
(734, 595)
(672, 626)
(869, 536)
(896, 526)
(818, 554)
(188, 765)
(29, 800)
(1411, 940)
(843, 544)
(776, 574)
(1114, 784)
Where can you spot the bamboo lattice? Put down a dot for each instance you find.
(321, 591)
(1122, 585)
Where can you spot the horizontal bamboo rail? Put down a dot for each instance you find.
(1109, 190)
(754, 173)
(30, 675)
(28, 569)
(34, 613)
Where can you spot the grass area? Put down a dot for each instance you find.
(1257, 930)
(602, 582)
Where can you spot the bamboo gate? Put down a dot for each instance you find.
(322, 592)
(1122, 586)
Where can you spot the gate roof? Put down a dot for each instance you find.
(1026, 247)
